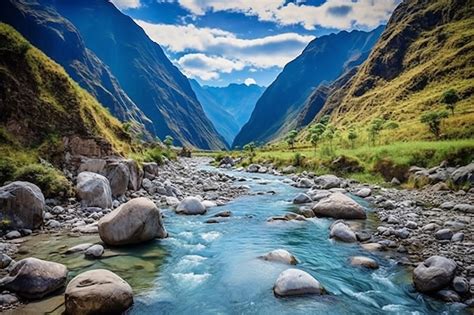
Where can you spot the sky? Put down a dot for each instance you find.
(218, 42)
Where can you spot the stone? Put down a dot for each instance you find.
(362, 261)
(78, 248)
(94, 190)
(342, 232)
(136, 174)
(53, 224)
(339, 206)
(363, 236)
(449, 296)
(34, 278)
(5, 260)
(8, 298)
(395, 181)
(191, 206)
(327, 181)
(393, 219)
(293, 282)
(91, 165)
(57, 210)
(411, 225)
(118, 175)
(457, 237)
(137, 221)
(288, 169)
(98, 292)
(280, 255)
(22, 205)
(223, 214)
(172, 201)
(372, 247)
(12, 235)
(208, 204)
(444, 234)
(460, 285)
(95, 251)
(434, 274)
(253, 168)
(464, 207)
(363, 192)
(464, 175)
(302, 198)
(304, 183)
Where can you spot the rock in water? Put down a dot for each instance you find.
(339, 206)
(362, 261)
(94, 190)
(342, 232)
(280, 255)
(22, 204)
(95, 251)
(434, 274)
(191, 205)
(302, 198)
(296, 282)
(327, 181)
(98, 292)
(34, 278)
(136, 221)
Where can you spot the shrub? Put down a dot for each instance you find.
(7, 171)
(388, 169)
(344, 164)
(298, 159)
(50, 180)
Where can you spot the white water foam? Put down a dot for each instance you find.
(190, 261)
(210, 236)
(191, 279)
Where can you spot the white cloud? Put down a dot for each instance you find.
(339, 14)
(250, 81)
(207, 67)
(126, 4)
(258, 53)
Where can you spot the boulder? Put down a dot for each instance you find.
(363, 192)
(461, 285)
(302, 198)
(464, 175)
(296, 282)
(5, 260)
(191, 206)
(95, 251)
(118, 175)
(94, 190)
(444, 234)
(78, 248)
(280, 255)
(434, 274)
(151, 169)
(253, 168)
(342, 232)
(34, 278)
(339, 206)
(288, 169)
(136, 175)
(98, 292)
(305, 183)
(136, 221)
(464, 207)
(361, 261)
(22, 205)
(327, 181)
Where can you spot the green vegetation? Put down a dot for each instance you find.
(291, 138)
(50, 180)
(433, 120)
(168, 141)
(450, 98)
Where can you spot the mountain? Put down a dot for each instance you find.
(61, 41)
(322, 61)
(228, 107)
(44, 109)
(426, 49)
(158, 88)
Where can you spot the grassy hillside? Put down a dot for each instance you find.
(41, 105)
(426, 49)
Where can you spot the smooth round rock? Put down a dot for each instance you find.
(362, 261)
(98, 292)
(302, 198)
(95, 251)
(191, 206)
(280, 255)
(434, 274)
(342, 232)
(339, 206)
(94, 190)
(296, 282)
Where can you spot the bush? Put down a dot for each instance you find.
(344, 165)
(298, 160)
(388, 169)
(7, 171)
(50, 180)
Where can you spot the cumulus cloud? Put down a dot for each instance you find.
(264, 52)
(126, 4)
(339, 14)
(207, 67)
(250, 81)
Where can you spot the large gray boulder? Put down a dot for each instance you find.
(280, 255)
(342, 232)
(94, 190)
(34, 278)
(191, 206)
(118, 175)
(296, 282)
(136, 175)
(136, 221)
(98, 292)
(327, 181)
(21, 205)
(434, 274)
(339, 206)
(302, 198)
(464, 175)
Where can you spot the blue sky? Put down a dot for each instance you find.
(219, 42)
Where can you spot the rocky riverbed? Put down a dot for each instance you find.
(413, 225)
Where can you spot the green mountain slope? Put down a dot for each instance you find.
(42, 107)
(426, 49)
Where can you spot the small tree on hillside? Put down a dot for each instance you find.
(433, 121)
(250, 147)
(315, 133)
(329, 134)
(352, 136)
(450, 98)
(291, 138)
(168, 141)
(375, 128)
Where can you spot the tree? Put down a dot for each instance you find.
(450, 98)
(352, 136)
(168, 141)
(325, 120)
(374, 129)
(433, 121)
(291, 138)
(250, 147)
(315, 133)
(329, 134)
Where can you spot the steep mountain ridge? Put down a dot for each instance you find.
(158, 88)
(426, 49)
(323, 60)
(43, 108)
(61, 41)
(228, 107)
